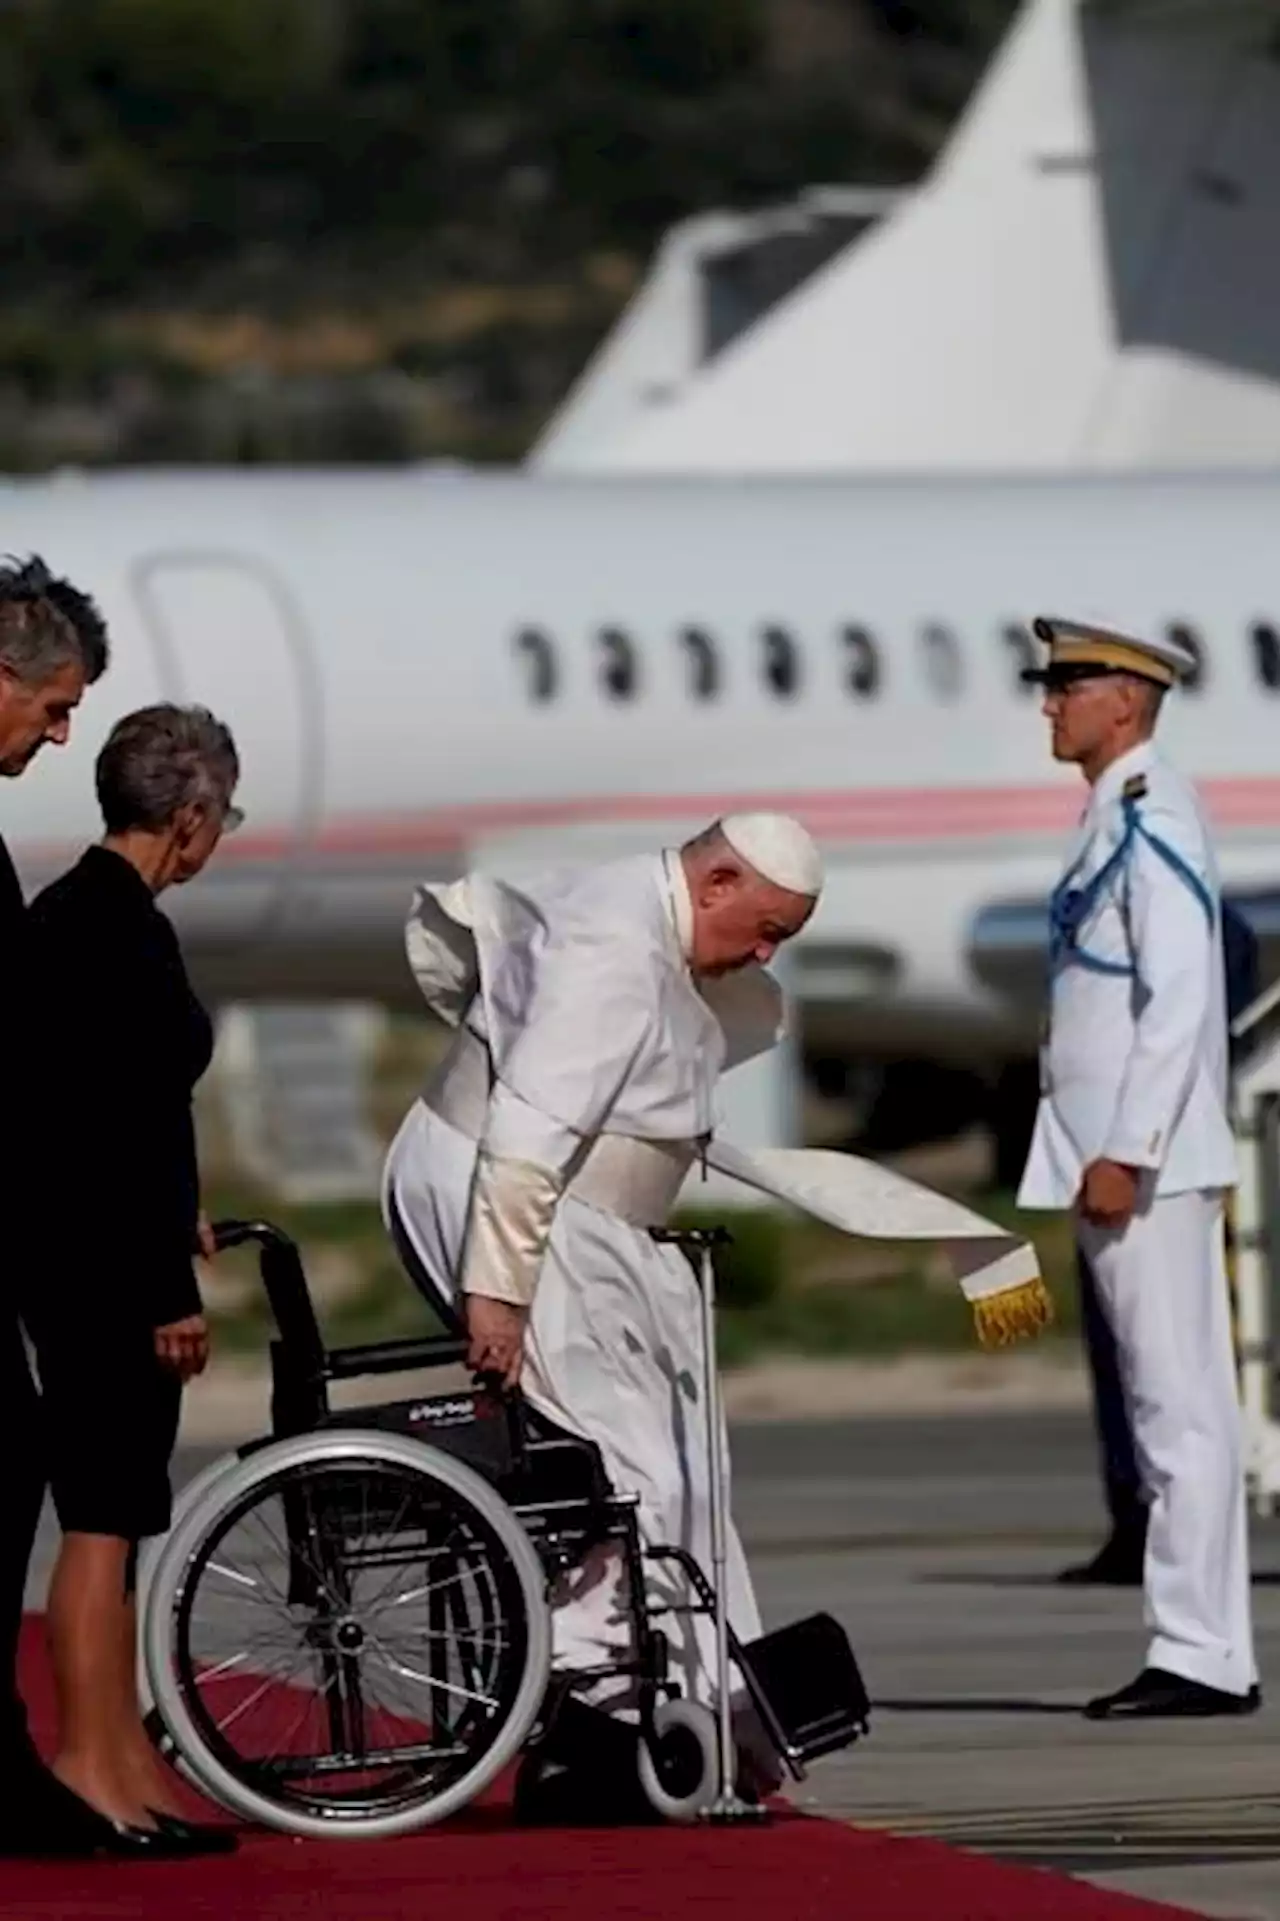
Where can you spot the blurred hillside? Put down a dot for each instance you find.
(297, 230)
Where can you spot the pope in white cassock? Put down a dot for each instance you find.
(595, 1010)
(561, 1127)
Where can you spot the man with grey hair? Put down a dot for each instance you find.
(595, 1011)
(53, 644)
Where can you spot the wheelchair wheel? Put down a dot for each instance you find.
(348, 1635)
(187, 1497)
(680, 1769)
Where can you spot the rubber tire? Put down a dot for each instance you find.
(351, 1446)
(685, 1720)
(192, 1492)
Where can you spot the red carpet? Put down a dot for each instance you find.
(484, 1870)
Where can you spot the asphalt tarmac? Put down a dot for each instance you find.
(935, 1542)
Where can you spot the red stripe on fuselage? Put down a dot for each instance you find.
(866, 816)
(870, 815)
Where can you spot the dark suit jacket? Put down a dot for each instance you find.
(11, 909)
(21, 1437)
(122, 1042)
(13, 933)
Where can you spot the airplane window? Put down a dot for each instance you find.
(1023, 651)
(618, 672)
(941, 660)
(540, 655)
(1266, 654)
(704, 668)
(1188, 637)
(781, 664)
(863, 673)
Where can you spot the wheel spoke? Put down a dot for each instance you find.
(350, 1638)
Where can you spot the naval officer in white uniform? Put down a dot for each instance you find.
(1132, 1133)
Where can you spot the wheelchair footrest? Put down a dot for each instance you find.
(809, 1678)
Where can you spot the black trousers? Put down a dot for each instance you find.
(22, 1453)
(1117, 1455)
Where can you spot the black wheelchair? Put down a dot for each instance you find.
(347, 1630)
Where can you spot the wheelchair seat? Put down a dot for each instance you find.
(533, 1463)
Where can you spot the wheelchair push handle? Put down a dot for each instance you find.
(280, 1267)
(289, 1299)
(235, 1233)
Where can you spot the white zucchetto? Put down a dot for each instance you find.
(779, 849)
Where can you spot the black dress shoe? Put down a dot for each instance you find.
(1118, 1563)
(200, 1837)
(583, 1771)
(550, 1795)
(1158, 1695)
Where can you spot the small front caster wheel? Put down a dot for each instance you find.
(680, 1770)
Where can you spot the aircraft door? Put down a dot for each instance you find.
(227, 634)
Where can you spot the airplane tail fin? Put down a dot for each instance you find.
(1087, 278)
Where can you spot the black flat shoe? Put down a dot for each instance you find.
(1157, 1695)
(143, 1844)
(78, 1821)
(199, 1837)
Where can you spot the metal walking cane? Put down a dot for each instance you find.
(728, 1804)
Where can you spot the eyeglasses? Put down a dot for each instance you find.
(226, 818)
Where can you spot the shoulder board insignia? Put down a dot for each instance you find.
(1135, 787)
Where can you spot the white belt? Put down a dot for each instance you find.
(637, 1180)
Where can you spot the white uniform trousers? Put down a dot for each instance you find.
(1163, 1286)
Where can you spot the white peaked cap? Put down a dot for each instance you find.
(779, 849)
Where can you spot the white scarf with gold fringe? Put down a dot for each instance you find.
(998, 1274)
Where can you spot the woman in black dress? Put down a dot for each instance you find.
(111, 1300)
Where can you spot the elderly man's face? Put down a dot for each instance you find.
(32, 714)
(737, 920)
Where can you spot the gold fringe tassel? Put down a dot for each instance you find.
(1014, 1314)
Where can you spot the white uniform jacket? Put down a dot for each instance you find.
(1134, 1062)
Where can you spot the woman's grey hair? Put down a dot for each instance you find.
(161, 759)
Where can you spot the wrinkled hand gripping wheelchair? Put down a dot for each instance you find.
(347, 1630)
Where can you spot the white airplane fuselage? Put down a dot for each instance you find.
(424, 670)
